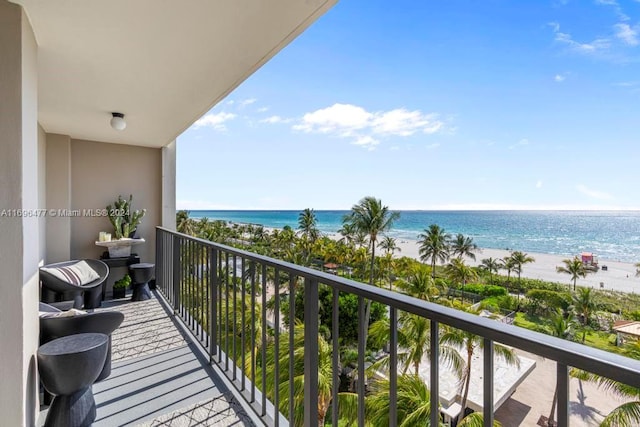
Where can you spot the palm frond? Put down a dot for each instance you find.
(625, 415)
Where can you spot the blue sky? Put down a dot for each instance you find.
(432, 105)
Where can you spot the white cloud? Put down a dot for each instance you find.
(262, 109)
(275, 119)
(352, 121)
(433, 146)
(629, 35)
(366, 141)
(592, 47)
(246, 102)
(559, 78)
(214, 120)
(339, 118)
(521, 143)
(594, 194)
(539, 184)
(405, 123)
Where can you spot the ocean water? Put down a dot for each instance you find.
(612, 235)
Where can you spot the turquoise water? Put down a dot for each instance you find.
(613, 235)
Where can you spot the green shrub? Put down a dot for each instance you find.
(485, 290)
(635, 315)
(122, 283)
(541, 300)
(347, 316)
(504, 302)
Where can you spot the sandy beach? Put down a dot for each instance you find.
(621, 276)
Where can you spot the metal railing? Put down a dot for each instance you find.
(222, 293)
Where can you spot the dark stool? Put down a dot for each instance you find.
(68, 367)
(140, 274)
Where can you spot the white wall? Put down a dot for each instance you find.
(58, 196)
(20, 243)
(169, 186)
(99, 173)
(42, 193)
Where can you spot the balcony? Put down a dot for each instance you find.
(159, 377)
(218, 292)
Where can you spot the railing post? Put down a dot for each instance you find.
(176, 273)
(434, 366)
(335, 333)
(310, 353)
(562, 383)
(488, 383)
(213, 301)
(393, 367)
(159, 260)
(362, 347)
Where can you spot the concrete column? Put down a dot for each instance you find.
(58, 197)
(169, 186)
(20, 243)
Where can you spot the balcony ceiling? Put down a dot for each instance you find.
(162, 64)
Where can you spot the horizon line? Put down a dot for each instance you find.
(446, 209)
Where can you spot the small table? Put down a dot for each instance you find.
(68, 368)
(140, 274)
(114, 264)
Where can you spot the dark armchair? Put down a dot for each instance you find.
(104, 322)
(89, 294)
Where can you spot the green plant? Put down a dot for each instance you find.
(122, 283)
(123, 219)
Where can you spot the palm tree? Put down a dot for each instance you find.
(509, 265)
(561, 326)
(573, 267)
(348, 234)
(492, 266)
(434, 246)
(463, 246)
(283, 382)
(470, 342)
(625, 415)
(584, 304)
(458, 272)
(184, 224)
(519, 259)
(420, 284)
(414, 407)
(414, 341)
(308, 225)
(388, 244)
(370, 217)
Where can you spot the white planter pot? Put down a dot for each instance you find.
(119, 251)
(120, 248)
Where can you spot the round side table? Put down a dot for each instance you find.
(68, 367)
(140, 274)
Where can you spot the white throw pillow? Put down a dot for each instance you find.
(69, 313)
(79, 273)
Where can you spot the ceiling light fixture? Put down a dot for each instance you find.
(117, 121)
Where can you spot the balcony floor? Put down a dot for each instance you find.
(159, 377)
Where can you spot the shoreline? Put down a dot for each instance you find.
(621, 276)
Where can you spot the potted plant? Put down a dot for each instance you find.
(120, 287)
(125, 223)
(124, 219)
